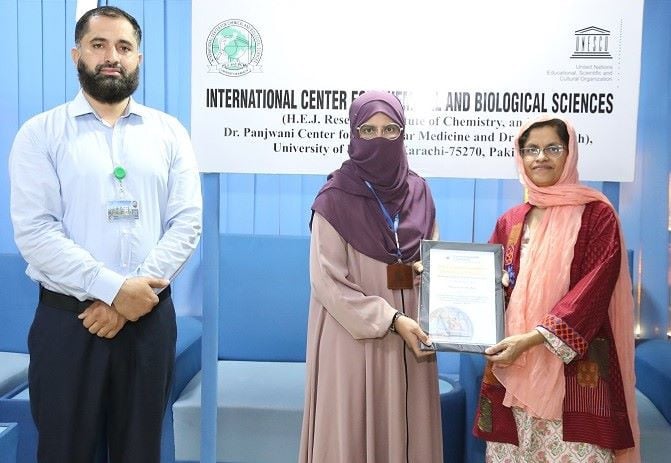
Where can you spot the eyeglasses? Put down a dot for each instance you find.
(553, 151)
(389, 131)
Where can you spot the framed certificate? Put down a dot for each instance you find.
(461, 303)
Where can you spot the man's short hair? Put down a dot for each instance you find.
(111, 12)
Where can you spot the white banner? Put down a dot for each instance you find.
(83, 6)
(272, 82)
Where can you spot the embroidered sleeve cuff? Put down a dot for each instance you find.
(106, 285)
(557, 346)
(560, 329)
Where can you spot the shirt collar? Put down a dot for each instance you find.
(80, 106)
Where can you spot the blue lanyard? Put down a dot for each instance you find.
(392, 223)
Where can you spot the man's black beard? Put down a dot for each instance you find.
(108, 89)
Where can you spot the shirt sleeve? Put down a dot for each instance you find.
(182, 221)
(580, 314)
(37, 215)
(557, 346)
(363, 316)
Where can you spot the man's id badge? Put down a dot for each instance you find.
(399, 276)
(122, 209)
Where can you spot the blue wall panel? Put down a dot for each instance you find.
(292, 216)
(71, 80)
(153, 63)
(237, 203)
(178, 59)
(454, 207)
(644, 205)
(267, 204)
(30, 62)
(9, 113)
(56, 60)
(492, 198)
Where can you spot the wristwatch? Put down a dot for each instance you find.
(397, 315)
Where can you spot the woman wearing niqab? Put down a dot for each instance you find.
(371, 395)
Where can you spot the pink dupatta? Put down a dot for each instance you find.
(535, 381)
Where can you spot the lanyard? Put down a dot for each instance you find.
(118, 171)
(392, 223)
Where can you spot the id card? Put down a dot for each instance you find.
(122, 209)
(399, 276)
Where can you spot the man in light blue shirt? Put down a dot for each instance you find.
(106, 207)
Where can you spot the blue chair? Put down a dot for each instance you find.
(653, 373)
(9, 439)
(471, 368)
(452, 413)
(18, 295)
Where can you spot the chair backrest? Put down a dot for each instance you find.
(18, 299)
(653, 373)
(471, 368)
(264, 297)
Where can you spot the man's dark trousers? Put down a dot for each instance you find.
(84, 388)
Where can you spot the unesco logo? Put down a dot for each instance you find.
(592, 42)
(234, 48)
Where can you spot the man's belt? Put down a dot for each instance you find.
(72, 304)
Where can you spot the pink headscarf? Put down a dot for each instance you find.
(535, 381)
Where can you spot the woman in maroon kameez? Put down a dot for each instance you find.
(560, 386)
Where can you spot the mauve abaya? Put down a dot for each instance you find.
(355, 404)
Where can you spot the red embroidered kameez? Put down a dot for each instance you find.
(594, 409)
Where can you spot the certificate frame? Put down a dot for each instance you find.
(462, 301)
